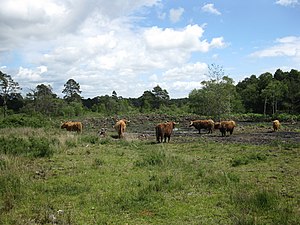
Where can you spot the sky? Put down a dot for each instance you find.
(131, 46)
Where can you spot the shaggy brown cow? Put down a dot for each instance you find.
(203, 124)
(164, 131)
(120, 127)
(72, 126)
(225, 126)
(276, 125)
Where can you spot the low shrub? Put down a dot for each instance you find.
(22, 120)
(32, 146)
(285, 117)
(91, 139)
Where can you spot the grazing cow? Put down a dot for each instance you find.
(203, 124)
(276, 125)
(120, 127)
(164, 131)
(72, 126)
(225, 126)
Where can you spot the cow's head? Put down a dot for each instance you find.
(126, 121)
(191, 123)
(63, 125)
(217, 125)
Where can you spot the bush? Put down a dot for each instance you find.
(32, 147)
(250, 117)
(285, 117)
(22, 120)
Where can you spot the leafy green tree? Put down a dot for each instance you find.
(273, 92)
(43, 100)
(114, 95)
(8, 89)
(72, 91)
(293, 93)
(279, 75)
(249, 92)
(147, 102)
(264, 80)
(161, 95)
(218, 96)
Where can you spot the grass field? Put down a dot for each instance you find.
(56, 177)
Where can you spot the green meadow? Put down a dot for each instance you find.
(50, 176)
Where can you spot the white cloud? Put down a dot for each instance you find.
(31, 75)
(287, 2)
(179, 81)
(190, 72)
(210, 8)
(98, 44)
(175, 14)
(187, 39)
(287, 46)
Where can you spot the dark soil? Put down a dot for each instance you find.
(142, 127)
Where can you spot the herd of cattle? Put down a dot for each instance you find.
(164, 130)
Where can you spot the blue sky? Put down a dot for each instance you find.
(132, 46)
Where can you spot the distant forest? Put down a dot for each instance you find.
(266, 94)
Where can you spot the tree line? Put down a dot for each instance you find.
(267, 94)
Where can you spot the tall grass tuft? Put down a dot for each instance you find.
(260, 206)
(246, 159)
(152, 158)
(10, 185)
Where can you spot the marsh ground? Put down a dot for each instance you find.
(251, 177)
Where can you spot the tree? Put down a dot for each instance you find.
(161, 95)
(44, 100)
(249, 92)
(274, 91)
(292, 95)
(72, 91)
(147, 101)
(8, 88)
(218, 95)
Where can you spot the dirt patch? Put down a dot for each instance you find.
(142, 128)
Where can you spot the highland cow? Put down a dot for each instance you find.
(120, 127)
(225, 127)
(164, 131)
(203, 124)
(72, 126)
(276, 125)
